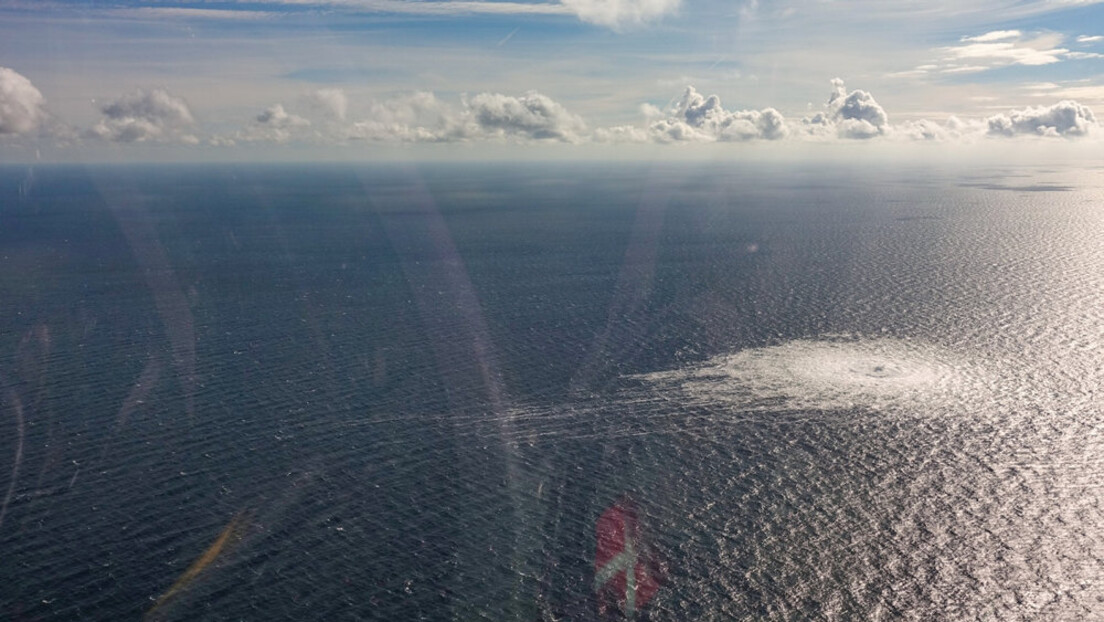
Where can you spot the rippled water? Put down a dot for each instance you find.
(409, 393)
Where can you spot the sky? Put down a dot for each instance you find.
(135, 80)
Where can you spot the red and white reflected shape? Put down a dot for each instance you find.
(626, 575)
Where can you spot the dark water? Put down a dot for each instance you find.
(408, 393)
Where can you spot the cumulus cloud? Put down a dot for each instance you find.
(22, 106)
(853, 114)
(1066, 118)
(274, 124)
(421, 117)
(145, 116)
(531, 116)
(619, 14)
(696, 118)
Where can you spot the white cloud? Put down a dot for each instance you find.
(1066, 118)
(621, 13)
(426, 7)
(849, 115)
(965, 69)
(696, 118)
(531, 116)
(145, 116)
(22, 106)
(332, 103)
(421, 117)
(677, 131)
(1003, 48)
(650, 111)
(416, 117)
(276, 116)
(157, 13)
(274, 124)
(622, 134)
(1006, 53)
(923, 129)
(996, 35)
(377, 131)
(418, 108)
(953, 129)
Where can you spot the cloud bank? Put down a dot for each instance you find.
(328, 117)
(22, 106)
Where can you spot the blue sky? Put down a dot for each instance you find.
(124, 77)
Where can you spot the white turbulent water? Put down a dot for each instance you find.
(836, 373)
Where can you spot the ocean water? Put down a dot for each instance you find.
(408, 393)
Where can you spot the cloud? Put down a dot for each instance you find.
(273, 124)
(159, 13)
(622, 134)
(1083, 55)
(421, 117)
(1007, 54)
(619, 14)
(924, 129)
(1066, 118)
(996, 35)
(696, 118)
(332, 103)
(650, 111)
(415, 117)
(531, 116)
(1002, 48)
(22, 106)
(849, 115)
(145, 116)
(1090, 38)
(276, 116)
(954, 129)
(427, 7)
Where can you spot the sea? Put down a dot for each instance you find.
(807, 391)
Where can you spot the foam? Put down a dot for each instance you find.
(832, 373)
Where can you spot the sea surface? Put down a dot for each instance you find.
(830, 392)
